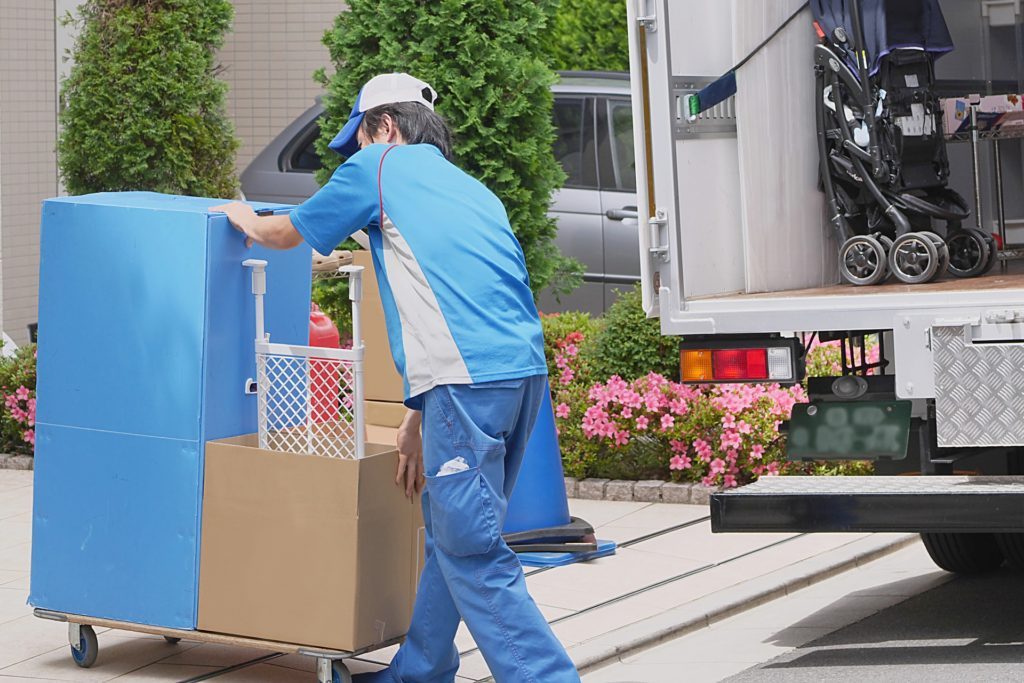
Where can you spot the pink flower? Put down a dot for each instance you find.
(621, 438)
(571, 349)
(627, 412)
(567, 376)
(717, 466)
(742, 427)
(29, 435)
(562, 410)
(730, 439)
(666, 422)
(772, 469)
(757, 452)
(680, 462)
(677, 446)
(11, 401)
(22, 393)
(641, 422)
(729, 421)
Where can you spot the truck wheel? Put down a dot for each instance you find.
(1012, 546)
(963, 553)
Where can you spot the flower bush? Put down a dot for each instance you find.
(18, 413)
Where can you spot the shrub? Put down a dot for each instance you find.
(486, 60)
(631, 345)
(824, 359)
(142, 108)
(18, 413)
(590, 35)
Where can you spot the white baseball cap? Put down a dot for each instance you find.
(382, 89)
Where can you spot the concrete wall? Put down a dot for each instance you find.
(28, 169)
(269, 58)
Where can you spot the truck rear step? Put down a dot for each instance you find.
(873, 503)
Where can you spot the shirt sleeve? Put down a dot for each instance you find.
(348, 202)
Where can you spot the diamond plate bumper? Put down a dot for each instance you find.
(979, 390)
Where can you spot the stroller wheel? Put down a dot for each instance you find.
(914, 258)
(968, 253)
(862, 260)
(943, 249)
(993, 254)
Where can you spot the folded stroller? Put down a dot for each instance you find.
(883, 162)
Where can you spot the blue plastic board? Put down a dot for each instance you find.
(115, 525)
(538, 500)
(146, 331)
(604, 549)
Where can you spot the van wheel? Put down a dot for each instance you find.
(963, 553)
(1012, 546)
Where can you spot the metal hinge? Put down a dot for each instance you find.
(657, 249)
(645, 15)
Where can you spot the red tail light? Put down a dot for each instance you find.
(740, 364)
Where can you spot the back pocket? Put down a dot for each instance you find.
(462, 513)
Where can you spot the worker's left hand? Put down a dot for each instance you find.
(239, 215)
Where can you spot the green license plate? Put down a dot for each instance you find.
(861, 430)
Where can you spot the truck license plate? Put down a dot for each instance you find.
(860, 430)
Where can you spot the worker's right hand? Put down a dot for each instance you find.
(410, 455)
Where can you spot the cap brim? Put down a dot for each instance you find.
(346, 143)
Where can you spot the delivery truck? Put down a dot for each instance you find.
(741, 261)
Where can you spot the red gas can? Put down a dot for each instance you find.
(325, 375)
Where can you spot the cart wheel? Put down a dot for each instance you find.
(943, 249)
(862, 260)
(172, 640)
(914, 258)
(85, 654)
(340, 672)
(993, 254)
(969, 253)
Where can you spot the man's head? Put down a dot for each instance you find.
(394, 108)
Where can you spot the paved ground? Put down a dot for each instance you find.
(792, 634)
(670, 573)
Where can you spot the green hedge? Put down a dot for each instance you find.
(142, 108)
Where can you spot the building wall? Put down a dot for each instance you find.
(28, 169)
(269, 59)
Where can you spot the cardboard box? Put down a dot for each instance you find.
(322, 552)
(385, 413)
(995, 113)
(383, 383)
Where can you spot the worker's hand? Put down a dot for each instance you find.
(239, 215)
(410, 455)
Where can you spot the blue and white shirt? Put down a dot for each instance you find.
(452, 276)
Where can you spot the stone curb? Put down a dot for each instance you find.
(705, 611)
(650, 491)
(16, 462)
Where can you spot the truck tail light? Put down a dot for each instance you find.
(770, 360)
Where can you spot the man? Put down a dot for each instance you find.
(465, 335)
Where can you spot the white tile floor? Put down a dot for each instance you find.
(733, 645)
(33, 649)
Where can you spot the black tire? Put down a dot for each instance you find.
(969, 253)
(914, 258)
(172, 640)
(1012, 546)
(993, 254)
(88, 648)
(963, 553)
(862, 260)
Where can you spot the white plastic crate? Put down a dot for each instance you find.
(310, 399)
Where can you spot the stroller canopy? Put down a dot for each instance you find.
(888, 25)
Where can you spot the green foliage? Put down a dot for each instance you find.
(559, 326)
(486, 61)
(631, 345)
(142, 108)
(590, 35)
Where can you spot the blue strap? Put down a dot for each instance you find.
(714, 93)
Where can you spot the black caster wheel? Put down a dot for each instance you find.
(862, 260)
(943, 249)
(88, 647)
(172, 640)
(914, 258)
(968, 253)
(340, 672)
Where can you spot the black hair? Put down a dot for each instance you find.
(416, 123)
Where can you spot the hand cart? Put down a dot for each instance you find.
(285, 386)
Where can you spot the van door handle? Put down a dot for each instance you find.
(622, 214)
